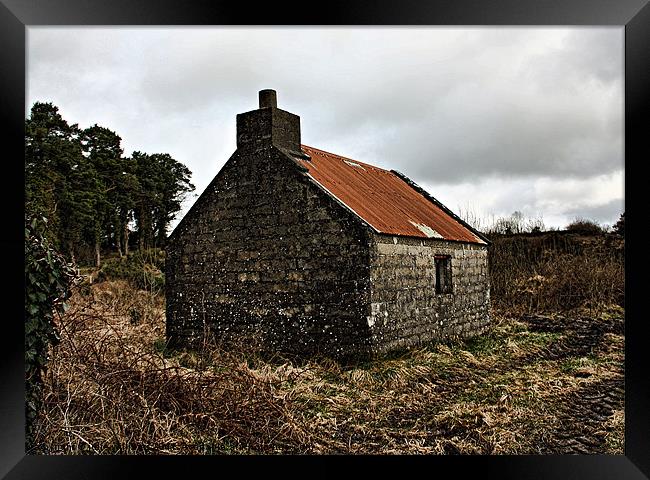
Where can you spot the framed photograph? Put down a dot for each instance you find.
(393, 234)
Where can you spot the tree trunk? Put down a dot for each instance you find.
(126, 238)
(146, 228)
(118, 239)
(162, 234)
(98, 257)
(142, 229)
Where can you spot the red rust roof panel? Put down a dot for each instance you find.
(382, 199)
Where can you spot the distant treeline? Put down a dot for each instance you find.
(517, 223)
(94, 198)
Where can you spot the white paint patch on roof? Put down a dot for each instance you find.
(427, 230)
(353, 164)
(478, 239)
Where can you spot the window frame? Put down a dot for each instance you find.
(443, 276)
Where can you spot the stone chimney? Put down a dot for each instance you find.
(268, 126)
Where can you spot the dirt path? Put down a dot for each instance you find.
(583, 422)
(583, 416)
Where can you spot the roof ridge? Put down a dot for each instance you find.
(336, 155)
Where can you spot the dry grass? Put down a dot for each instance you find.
(557, 272)
(113, 388)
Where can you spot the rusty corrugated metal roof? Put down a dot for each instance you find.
(382, 199)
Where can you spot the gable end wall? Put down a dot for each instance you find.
(267, 253)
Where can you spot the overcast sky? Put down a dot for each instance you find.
(488, 120)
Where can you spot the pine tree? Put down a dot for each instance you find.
(53, 157)
(163, 183)
(90, 193)
(104, 152)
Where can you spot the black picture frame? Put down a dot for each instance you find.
(16, 15)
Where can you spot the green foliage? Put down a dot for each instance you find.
(164, 182)
(81, 181)
(53, 161)
(48, 279)
(486, 344)
(143, 269)
(573, 364)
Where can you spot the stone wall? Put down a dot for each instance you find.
(405, 309)
(265, 252)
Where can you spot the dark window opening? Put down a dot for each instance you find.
(443, 274)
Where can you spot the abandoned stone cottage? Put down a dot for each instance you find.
(313, 252)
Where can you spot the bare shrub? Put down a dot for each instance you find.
(556, 272)
(585, 226)
(512, 224)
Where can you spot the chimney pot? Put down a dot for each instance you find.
(268, 98)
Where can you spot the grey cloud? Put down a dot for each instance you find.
(607, 213)
(584, 55)
(443, 105)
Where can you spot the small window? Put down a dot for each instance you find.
(443, 273)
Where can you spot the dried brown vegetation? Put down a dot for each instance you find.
(533, 385)
(557, 271)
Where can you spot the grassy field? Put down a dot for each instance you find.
(535, 384)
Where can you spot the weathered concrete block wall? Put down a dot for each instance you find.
(264, 251)
(405, 308)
